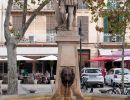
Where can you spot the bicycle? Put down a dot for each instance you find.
(85, 85)
(117, 89)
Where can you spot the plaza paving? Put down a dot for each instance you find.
(46, 89)
(38, 88)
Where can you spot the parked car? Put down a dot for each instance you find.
(114, 75)
(93, 76)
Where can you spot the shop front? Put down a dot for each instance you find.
(116, 55)
(27, 59)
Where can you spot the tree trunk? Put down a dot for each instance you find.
(123, 47)
(11, 42)
(12, 67)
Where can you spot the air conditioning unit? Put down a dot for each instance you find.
(31, 39)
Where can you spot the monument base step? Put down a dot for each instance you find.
(66, 98)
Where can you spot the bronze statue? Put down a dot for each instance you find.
(65, 14)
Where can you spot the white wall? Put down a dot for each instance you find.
(3, 5)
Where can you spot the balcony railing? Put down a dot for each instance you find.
(49, 6)
(112, 38)
(16, 6)
(48, 38)
(51, 37)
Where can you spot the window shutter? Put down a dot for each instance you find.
(17, 22)
(105, 28)
(84, 27)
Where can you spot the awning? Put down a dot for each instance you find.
(22, 58)
(18, 57)
(105, 52)
(119, 53)
(32, 51)
(3, 59)
(127, 58)
(51, 57)
(102, 59)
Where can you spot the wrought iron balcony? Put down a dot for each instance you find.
(48, 38)
(51, 37)
(16, 6)
(112, 38)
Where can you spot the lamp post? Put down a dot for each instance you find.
(80, 34)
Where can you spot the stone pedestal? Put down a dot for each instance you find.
(67, 56)
(66, 98)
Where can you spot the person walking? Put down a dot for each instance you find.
(104, 72)
(47, 75)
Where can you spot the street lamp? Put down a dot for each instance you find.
(80, 34)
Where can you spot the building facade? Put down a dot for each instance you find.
(39, 40)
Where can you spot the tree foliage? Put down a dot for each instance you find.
(118, 15)
(117, 12)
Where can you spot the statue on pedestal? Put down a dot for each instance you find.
(67, 85)
(65, 14)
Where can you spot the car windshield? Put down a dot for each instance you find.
(126, 71)
(92, 71)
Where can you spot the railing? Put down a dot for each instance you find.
(49, 6)
(112, 38)
(16, 6)
(50, 38)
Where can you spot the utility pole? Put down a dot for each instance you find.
(80, 51)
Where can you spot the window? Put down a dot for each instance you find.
(17, 21)
(108, 37)
(111, 72)
(112, 4)
(51, 25)
(83, 21)
(92, 71)
(82, 4)
(16, 5)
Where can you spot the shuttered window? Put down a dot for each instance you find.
(17, 21)
(83, 21)
(105, 29)
(51, 22)
(50, 28)
(111, 4)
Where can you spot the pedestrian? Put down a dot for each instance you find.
(47, 75)
(104, 72)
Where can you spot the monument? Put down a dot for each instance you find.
(67, 85)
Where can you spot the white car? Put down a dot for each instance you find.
(114, 76)
(93, 76)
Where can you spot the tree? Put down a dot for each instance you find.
(117, 13)
(13, 36)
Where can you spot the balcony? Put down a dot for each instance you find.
(46, 38)
(51, 37)
(112, 38)
(16, 6)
